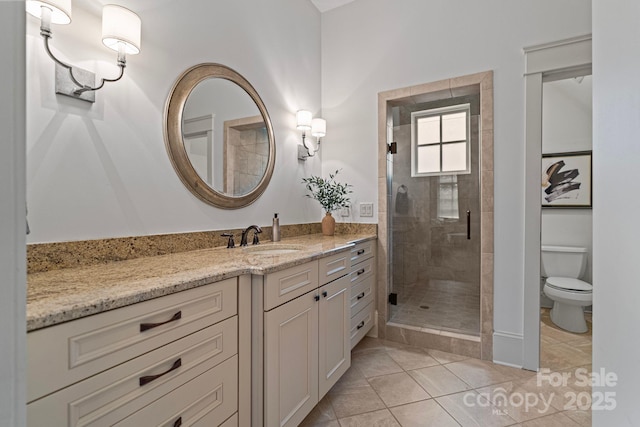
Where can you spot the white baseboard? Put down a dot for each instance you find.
(507, 349)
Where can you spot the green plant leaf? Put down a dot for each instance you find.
(331, 195)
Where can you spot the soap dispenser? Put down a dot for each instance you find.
(275, 230)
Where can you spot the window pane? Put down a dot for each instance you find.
(428, 159)
(428, 130)
(454, 157)
(448, 197)
(454, 127)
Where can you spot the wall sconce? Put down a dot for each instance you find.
(120, 32)
(318, 129)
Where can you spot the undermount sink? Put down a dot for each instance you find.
(276, 249)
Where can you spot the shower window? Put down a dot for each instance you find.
(448, 197)
(440, 141)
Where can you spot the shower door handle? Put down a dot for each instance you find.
(468, 225)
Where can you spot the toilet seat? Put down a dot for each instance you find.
(569, 284)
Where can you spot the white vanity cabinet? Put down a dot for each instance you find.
(306, 336)
(362, 290)
(170, 361)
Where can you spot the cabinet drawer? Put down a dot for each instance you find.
(361, 294)
(334, 266)
(206, 401)
(362, 251)
(362, 271)
(361, 323)
(110, 396)
(67, 353)
(285, 285)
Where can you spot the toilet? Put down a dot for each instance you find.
(563, 266)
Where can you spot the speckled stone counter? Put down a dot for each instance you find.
(61, 295)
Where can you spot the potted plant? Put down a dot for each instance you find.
(331, 195)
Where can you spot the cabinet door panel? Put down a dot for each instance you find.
(334, 340)
(291, 361)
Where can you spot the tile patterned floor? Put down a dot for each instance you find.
(440, 304)
(391, 384)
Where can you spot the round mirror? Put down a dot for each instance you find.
(219, 136)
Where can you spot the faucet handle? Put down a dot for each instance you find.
(256, 241)
(231, 243)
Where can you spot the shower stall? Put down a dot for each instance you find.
(434, 215)
(435, 221)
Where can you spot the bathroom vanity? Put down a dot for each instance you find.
(165, 361)
(196, 338)
(305, 329)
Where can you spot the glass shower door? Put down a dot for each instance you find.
(434, 215)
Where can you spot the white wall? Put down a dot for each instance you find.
(12, 223)
(616, 152)
(370, 46)
(101, 170)
(567, 127)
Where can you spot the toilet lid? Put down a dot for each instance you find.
(570, 284)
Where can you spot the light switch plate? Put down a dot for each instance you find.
(366, 209)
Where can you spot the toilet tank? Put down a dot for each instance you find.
(563, 261)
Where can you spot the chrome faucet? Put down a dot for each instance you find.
(256, 229)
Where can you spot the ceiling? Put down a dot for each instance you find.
(324, 5)
(140, 5)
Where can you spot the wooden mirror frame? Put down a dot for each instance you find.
(174, 141)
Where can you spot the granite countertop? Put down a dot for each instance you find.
(61, 295)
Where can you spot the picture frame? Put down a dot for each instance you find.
(566, 180)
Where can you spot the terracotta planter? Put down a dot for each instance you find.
(328, 225)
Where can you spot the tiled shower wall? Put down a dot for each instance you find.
(247, 156)
(426, 247)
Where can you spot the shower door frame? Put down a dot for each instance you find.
(469, 345)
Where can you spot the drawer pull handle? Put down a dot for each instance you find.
(316, 297)
(324, 294)
(149, 378)
(360, 271)
(147, 326)
(360, 252)
(361, 296)
(361, 325)
(178, 422)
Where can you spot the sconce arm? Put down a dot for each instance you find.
(310, 150)
(122, 63)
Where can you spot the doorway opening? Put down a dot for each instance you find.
(564, 59)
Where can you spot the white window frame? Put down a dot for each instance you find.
(459, 108)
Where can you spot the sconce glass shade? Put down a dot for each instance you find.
(303, 120)
(60, 10)
(319, 127)
(120, 25)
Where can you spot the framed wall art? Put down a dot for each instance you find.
(566, 180)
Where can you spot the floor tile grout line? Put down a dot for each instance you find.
(434, 398)
(386, 349)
